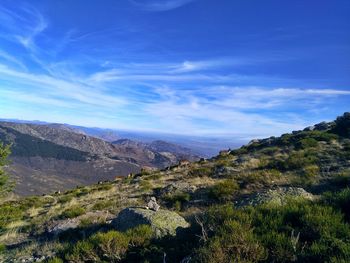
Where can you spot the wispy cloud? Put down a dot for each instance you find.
(12, 60)
(187, 71)
(23, 26)
(66, 89)
(160, 5)
(232, 110)
(186, 92)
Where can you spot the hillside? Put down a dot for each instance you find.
(281, 199)
(51, 157)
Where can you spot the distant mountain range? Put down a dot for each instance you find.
(202, 146)
(50, 157)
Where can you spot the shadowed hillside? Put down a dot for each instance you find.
(53, 157)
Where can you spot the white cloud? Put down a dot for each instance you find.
(12, 59)
(68, 89)
(23, 26)
(235, 110)
(160, 5)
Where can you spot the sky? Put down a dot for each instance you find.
(192, 67)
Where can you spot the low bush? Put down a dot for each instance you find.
(104, 187)
(111, 246)
(65, 198)
(9, 213)
(307, 143)
(72, 212)
(103, 205)
(299, 231)
(259, 177)
(55, 260)
(201, 172)
(270, 150)
(224, 190)
(177, 200)
(145, 185)
(339, 200)
(2, 248)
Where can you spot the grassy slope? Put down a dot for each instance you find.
(315, 160)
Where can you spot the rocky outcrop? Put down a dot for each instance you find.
(162, 222)
(276, 196)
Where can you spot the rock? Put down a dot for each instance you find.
(162, 222)
(152, 204)
(174, 188)
(254, 141)
(323, 126)
(310, 128)
(277, 196)
(57, 227)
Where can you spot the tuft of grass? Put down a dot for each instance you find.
(224, 190)
(177, 200)
(145, 186)
(103, 205)
(72, 212)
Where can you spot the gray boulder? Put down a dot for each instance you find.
(276, 196)
(162, 222)
(57, 227)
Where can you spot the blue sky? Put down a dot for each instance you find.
(195, 67)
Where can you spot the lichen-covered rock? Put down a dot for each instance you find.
(57, 227)
(152, 204)
(277, 196)
(162, 222)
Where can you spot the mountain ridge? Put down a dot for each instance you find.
(70, 151)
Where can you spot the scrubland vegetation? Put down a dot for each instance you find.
(207, 194)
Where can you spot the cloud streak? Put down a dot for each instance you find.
(200, 95)
(159, 5)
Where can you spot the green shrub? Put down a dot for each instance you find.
(295, 160)
(9, 213)
(111, 246)
(224, 190)
(233, 242)
(82, 251)
(177, 199)
(201, 172)
(2, 248)
(72, 212)
(309, 174)
(145, 185)
(270, 150)
(339, 200)
(103, 205)
(342, 179)
(55, 260)
(307, 143)
(321, 136)
(259, 177)
(154, 176)
(299, 231)
(104, 187)
(140, 235)
(6, 185)
(65, 198)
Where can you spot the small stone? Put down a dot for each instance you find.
(152, 204)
